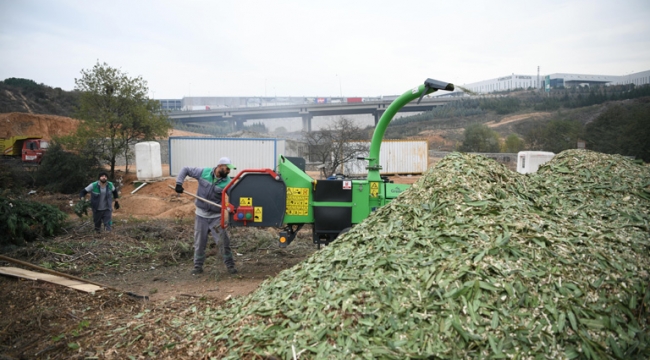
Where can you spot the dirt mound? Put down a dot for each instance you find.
(156, 199)
(47, 126)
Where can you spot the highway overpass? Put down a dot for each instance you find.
(237, 116)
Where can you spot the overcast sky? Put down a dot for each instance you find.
(319, 48)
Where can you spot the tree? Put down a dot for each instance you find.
(66, 172)
(622, 129)
(116, 113)
(336, 144)
(147, 121)
(257, 127)
(480, 138)
(560, 135)
(533, 136)
(513, 144)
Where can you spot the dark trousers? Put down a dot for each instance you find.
(201, 228)
(102, 216)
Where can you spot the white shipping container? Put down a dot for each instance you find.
(395, 157)
(245, 153)
(148, 164)
(529, 161)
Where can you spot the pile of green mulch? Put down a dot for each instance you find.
(473, 261)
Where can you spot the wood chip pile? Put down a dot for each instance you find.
(473, 261)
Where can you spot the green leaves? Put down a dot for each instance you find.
(117, 112)
(551, 265)
(81, 207)
(24, 220)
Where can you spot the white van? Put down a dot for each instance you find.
(529, 161)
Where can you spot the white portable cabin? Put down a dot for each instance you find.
(529, 161)
(395, 157)
(148, 163)
(245, 153)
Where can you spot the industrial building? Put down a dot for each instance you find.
(554, 81)
(504, 83)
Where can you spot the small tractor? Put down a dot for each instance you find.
(30, 148)
(288, 198)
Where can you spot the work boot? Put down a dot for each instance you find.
(232, 270)
(197, 270)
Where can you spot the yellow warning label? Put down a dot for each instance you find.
(245, 201)
(297, 201)
(374, 189)
(257, 217)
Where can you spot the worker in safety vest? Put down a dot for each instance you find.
(212, 181)
(102, 195)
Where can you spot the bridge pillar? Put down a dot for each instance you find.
(306, 123)
(377, 114)
(239, 124)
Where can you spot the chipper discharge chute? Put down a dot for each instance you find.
(288, 198)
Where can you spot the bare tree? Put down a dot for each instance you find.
(336, 144)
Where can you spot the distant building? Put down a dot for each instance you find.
(504, 83)
(557, 80)
(171, 104)
(640, 78)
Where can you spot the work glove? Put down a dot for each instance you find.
(117, 205)
(179, 188)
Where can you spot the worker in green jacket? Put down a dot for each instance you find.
(212, 181)
(102, 194)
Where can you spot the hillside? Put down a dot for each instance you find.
(49, 126)
(528, 115)
(23, 95)
(522, 112)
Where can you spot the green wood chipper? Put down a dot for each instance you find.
(288, 198)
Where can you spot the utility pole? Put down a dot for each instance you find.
(538, 84)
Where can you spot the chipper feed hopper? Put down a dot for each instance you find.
(288, 198)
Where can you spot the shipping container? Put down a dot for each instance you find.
(529, 161)
(245, 153)
(395, 157)
(355, 100)
(321, 100)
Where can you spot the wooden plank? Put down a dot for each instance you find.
(54, 279)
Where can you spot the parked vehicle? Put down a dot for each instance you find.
(30, 149)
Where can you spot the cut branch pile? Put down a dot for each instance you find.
(472, 261)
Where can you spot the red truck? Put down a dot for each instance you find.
(30, 148)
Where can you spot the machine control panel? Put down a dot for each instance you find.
(244, 213)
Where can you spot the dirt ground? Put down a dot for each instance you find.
(515, 118)
(149, 253)
(144, 264)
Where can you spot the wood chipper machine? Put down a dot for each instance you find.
(288, 198)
